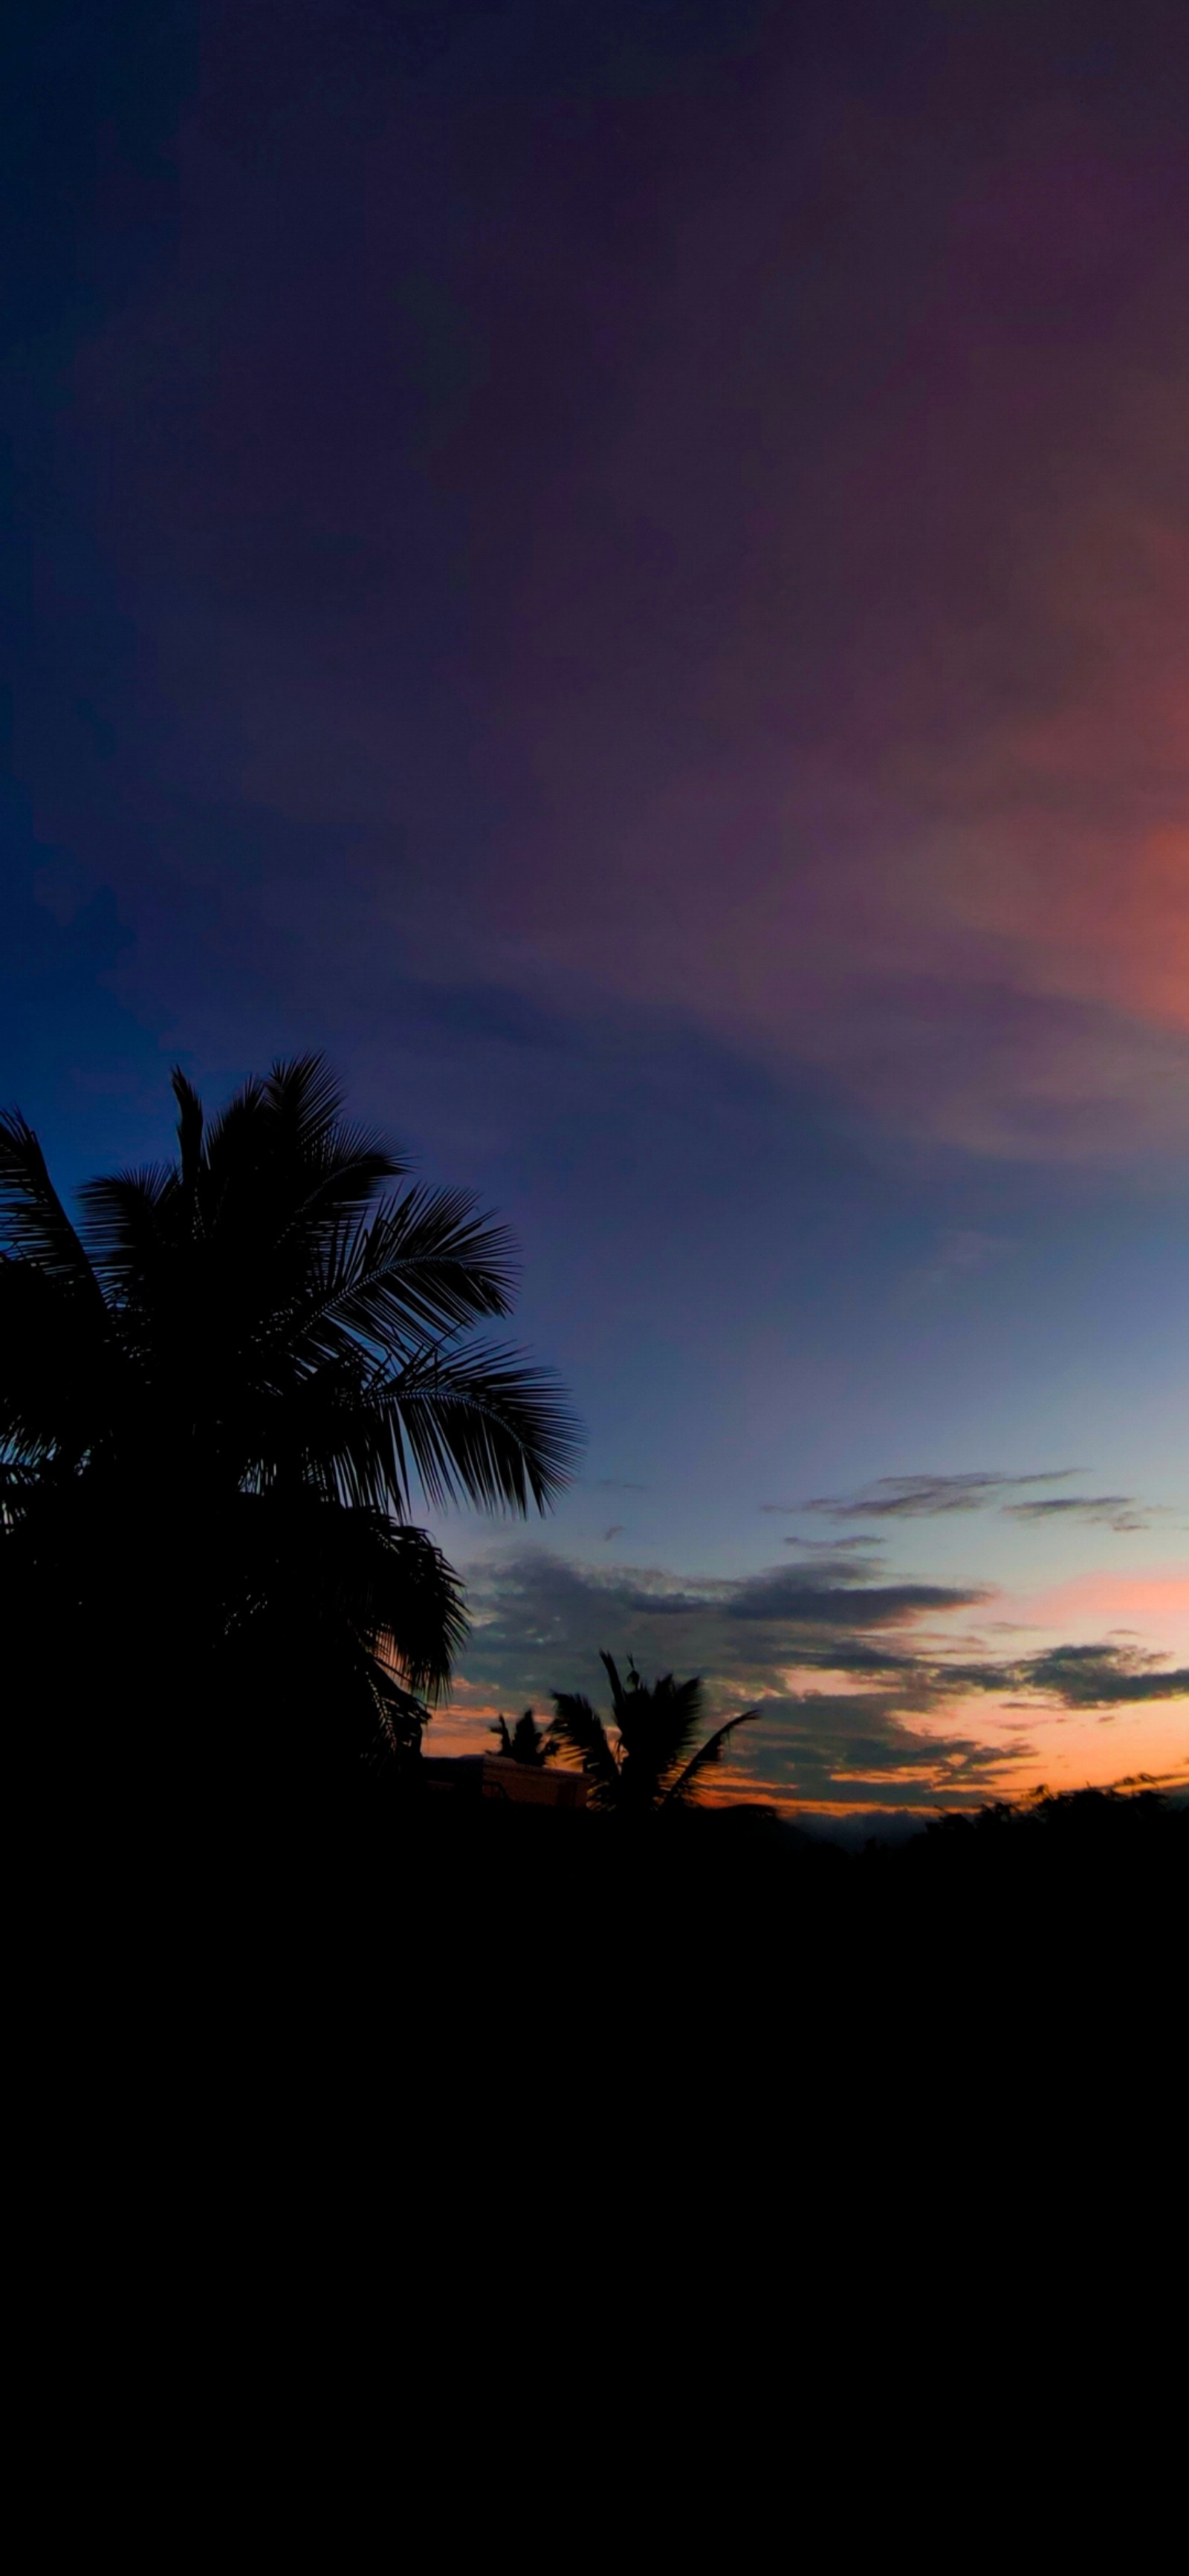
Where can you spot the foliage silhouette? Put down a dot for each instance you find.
(218, 1396)
(653, 1761)
(1101, 1828)
(527, 1742)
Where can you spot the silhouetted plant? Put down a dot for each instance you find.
(527, 1741)
(217, 1397)
(653, 1760)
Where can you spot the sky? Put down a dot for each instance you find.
(622, 566)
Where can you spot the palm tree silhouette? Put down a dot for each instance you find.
(217, 1397)
(526, 1742)
(653, 1761)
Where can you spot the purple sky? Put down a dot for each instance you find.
(624, 569)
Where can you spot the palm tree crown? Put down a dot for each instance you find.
(525, 1742)
(654, 1760)
(220, 1392)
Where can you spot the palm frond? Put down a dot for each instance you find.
(236, 1129)
(619, 1695)
(56, 1365)
(283, 1165)
(277, 1154)
(704, 1759)
(305, 1100)
(292, 1111)
(658, 1720)
(674, 1722)
(658, 1724)
(423, 1269)
(309, 1569)
(121, 1220)
(326, 1433)
(481, 1427)
(530, 1742)
(33, 1220)
(20, 1484)
(309, 1138)
(579, 1735)
(191, 1121)
(417, 1605)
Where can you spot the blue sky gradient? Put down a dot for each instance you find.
(623, 572)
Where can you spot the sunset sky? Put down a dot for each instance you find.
(623, 567)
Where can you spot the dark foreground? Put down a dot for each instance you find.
(513, 1901)
(484, 1980)
(740, 1978)
(373, 2039)
(1095, 1862)
(720, 1921)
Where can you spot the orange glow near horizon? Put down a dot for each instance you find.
(1067, 1749)
(1021, 1741)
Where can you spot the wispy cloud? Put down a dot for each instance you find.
(923, 1497)
(961, 1253)
(823, 1546)
(848, 783)
(928, 1497)
(1101, 1511)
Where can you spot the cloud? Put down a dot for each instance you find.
(876, 1718)
(1081, 1676)
(818, 1546)
(1105, 1511)
(794, 1599)
(856, 1750)
(927, 1497)
(861, 1561)
(923, 1497)
(855, 1561)
(539, 1615)
(540, 1622)
(716, 729)
(1103, 1676)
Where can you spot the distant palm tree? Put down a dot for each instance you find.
(653, 1761)
(527, 1741)
(217, 1397)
